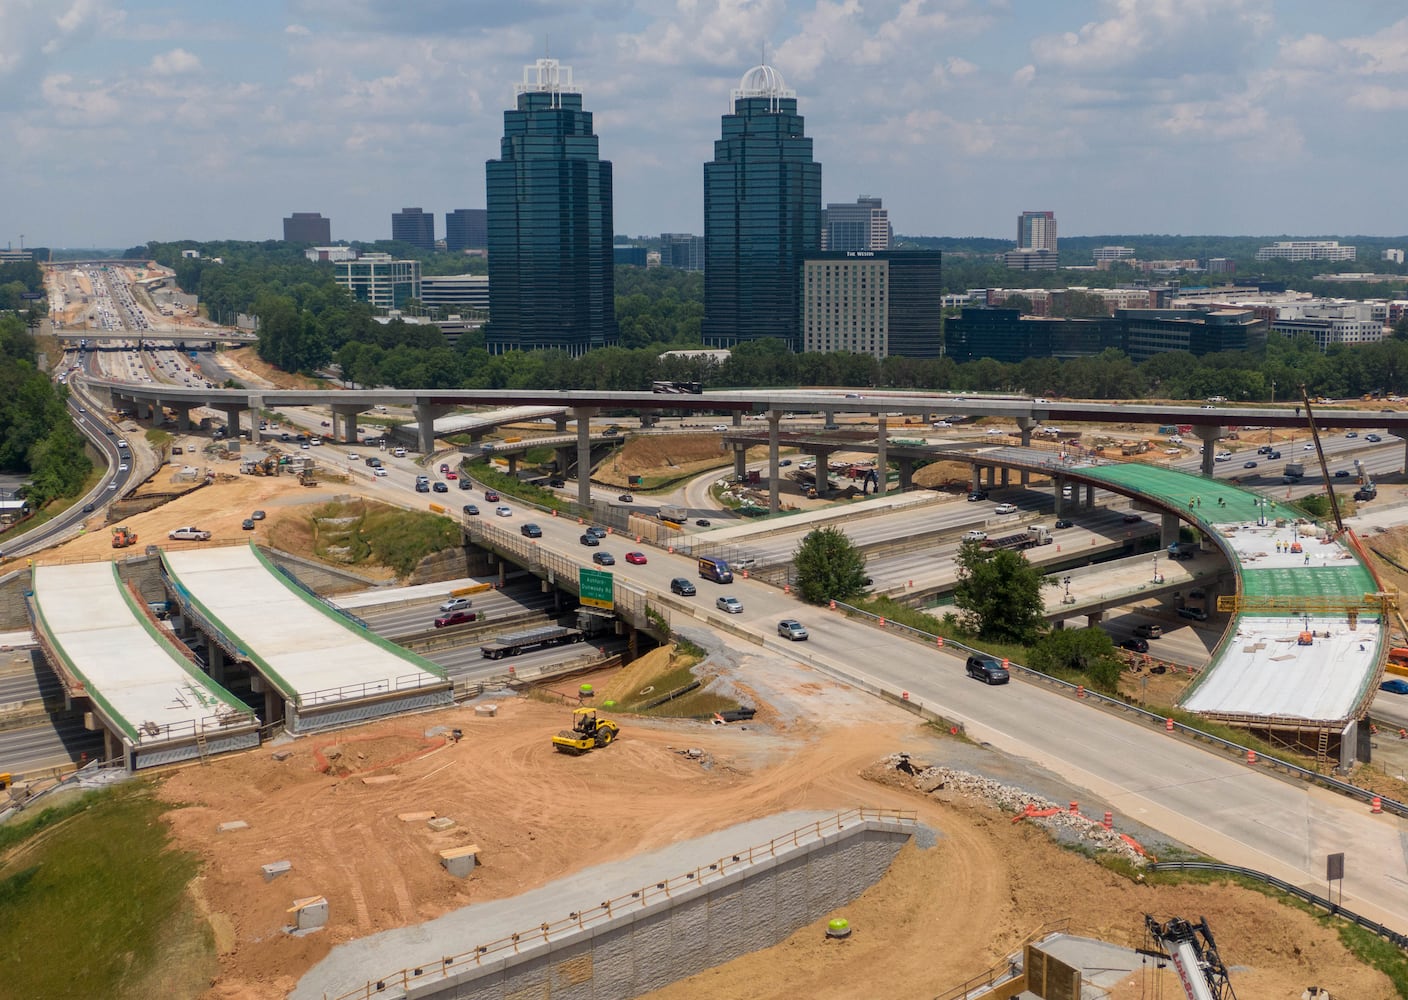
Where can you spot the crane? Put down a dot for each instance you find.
(1193, 953)
(1324, 469)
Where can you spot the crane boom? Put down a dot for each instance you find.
(1324, 468)
(1193, 952)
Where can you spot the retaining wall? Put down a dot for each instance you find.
(672, 930)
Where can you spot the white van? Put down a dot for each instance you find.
(399, 453)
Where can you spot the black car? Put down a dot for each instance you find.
(465, 484)
(1193, 614)
(531, 531)
(988, 670)
(87, 508)
(977, 495)
(626, 498)
(247, 524)
(1063, 522)
(1249, 465)
(470, 509)
(1136, 645)
(679, 585)
(1341, 473)
(557, 484)
(603, 559)
(702, 522)
(589, 539)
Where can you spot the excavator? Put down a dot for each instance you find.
(123, 537)
(587, 733)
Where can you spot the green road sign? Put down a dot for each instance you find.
(596, 588)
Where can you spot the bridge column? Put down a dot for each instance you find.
(562, 460)
(216, 656)
(344, 419)
(232, 422)
(882, 465)
(183, 417)
(1402, 435)
(1094, 618)
(828, 415)
(906, 474)
(256, 406)
(740, 461)
(426, 413)
(1168, 529)
(1209, 435)
(774, 481)
(583, 416)
(1024, 432)
(1059, 483)
(559, 423)
(1005, 472)
(1089, 496)
(975, 479)
(512, 463)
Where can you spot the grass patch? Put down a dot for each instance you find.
(502, 482)
(94, 904)
(356, 533)
(158, 438)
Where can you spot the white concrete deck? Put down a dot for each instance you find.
(151, 692)
(312, 655)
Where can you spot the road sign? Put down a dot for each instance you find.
(31, 295)
(597, 588)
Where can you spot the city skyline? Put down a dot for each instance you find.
(217, 123)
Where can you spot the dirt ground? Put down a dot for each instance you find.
(523, 805)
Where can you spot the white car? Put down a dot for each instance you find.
(995, 430)
(1005, 508)
(730, 604)
(503, 512)
(122, 468)
(975, 536)
(378, 471)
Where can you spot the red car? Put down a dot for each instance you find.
(635, 558)
(491, 496)
(455, 618)
(452, 475)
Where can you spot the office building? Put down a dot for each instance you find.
(333, 254)
(551, 282)
(626, 253)
(879, 303)
(452, 292)
(1306, 250)
(466, 229)
(1030, 259)
(1105, 255)
(1006, 335)
(411, 225)
(682, 250)
(1333, 322)
(1392, 256)
(16, 256)
(1147, 332)
(762, 215)
(1222, 265)
(380, 279)
(1036, 231)
(862, 226)
(308, 227)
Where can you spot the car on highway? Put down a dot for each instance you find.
(589, 539)
(636, 558)
(457, 604)
(379, 472)
(626, 498)
(791, 628)
(471, 509)
(87, 508)
(531, 530)
(596, 532)
(730, 604)
(1149, 631)
(1193, 614)
(491, 496)
(977, 495)
(603, 559)
(247, 524)
(988, 669)
(1131, 518)
(1351, 434)
(457, 618)
(1249, 465)
(1136, 645)
(1005, 508)
(420, 487)
(1064, 522)
(1264, 450)
(441, 488)
(1341, 473)
(452, 475)
(974, 535)
(1372, 438)
(444, 466)
(702, 522)
(466, 484)
(557, 484)
(503, 511)
(1394, 685)
(258, 515)
(679, 585)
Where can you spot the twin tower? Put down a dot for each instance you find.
(549, 198)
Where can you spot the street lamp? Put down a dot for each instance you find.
(1157, 578)
(1068, 599)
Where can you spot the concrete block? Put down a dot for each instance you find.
(460, 861)
(281, 754)
(487, 710)
(276, 868)
(382, 779)
(232, 826)
(440, 823)
(309, 913)
(416, 817)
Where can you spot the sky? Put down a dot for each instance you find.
(132, 120)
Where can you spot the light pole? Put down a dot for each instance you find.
(1068, 599)
(1157, 578)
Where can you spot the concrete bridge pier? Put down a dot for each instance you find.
(559, 423)
(256, 407)
(1094, 618)
(1005, 476)
(344, 422)
(1059, 486)
(882, 466)
(232, 421)
(1089, 496)
(975, 480)
(1209, 435)
(1402, 435)
(906, 474)
(583, 416)
(1168, 529)
(512, 458)
(183, 417)
(1024, 433)
(828, 415)
(562, 460)
(740, 461)
(426, 414)
(774, 480)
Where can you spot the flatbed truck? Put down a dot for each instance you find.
(533, 638)
(1035, 535)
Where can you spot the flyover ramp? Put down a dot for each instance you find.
(159, 703)
(328, 670)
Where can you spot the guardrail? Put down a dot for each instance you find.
(449, 965)
(369, 689)
(1394, 937)
(1252, 758)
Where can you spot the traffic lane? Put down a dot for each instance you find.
(468, 663)
(487, 605)
(52, 743)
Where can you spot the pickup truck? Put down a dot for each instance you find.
(189, 534)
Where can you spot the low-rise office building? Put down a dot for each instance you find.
(381, 280)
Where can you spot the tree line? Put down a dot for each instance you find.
(37, 438)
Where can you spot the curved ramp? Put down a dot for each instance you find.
(328, 670)
(159, 703)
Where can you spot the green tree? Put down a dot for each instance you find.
(829, 567)
(1088, 650)
(999, 594)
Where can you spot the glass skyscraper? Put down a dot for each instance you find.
(762, 215)
(549, 216)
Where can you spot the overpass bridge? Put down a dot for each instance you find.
(112, 339)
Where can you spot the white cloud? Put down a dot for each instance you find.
(1379, 98)
(1024, 76)
(297, 29)
(174, 62)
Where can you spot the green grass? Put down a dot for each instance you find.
(512, 486)
(93, 902)
(396, 538)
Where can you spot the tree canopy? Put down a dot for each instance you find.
(1088, 650)
(999, 594)
(829, 567)
(37, 438)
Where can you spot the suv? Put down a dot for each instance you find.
(531, 531)
(988, 670)
(1149, 631)
(589, 539)
(791, 628)
(679, 585)
(1195, 614)
(457, 604)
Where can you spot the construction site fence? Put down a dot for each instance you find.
(453, 965)
(368, 689)
(149, 733)
(1155, 721)
(1396, 938)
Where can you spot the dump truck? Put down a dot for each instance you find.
(587, 733)
(533, 638)
(1036, 534)
(123, 537)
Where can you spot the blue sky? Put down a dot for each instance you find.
(129, 120)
